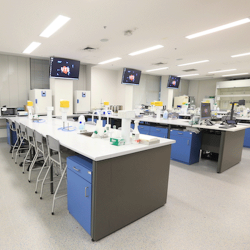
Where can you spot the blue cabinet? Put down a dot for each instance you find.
(79, 188)
(159, 131)
(187, 146)
(144, 129)
(247, 138)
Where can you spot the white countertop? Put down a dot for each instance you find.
(94, 148)
(240, 126)
(179, 122)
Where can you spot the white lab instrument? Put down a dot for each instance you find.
(179, 100)
(41, 98)
(126, 116)
(158, 106)
(49, 113)
(81, 101)
(64, 106)
(30, 109)
(136, 133)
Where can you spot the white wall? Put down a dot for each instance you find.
(147, 91)
(182, 90)
(104, 87)
(201, 89)
(14, 80)
(81, 83)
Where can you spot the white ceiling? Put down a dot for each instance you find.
(164, 22)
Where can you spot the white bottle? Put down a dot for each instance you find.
(135, 133)
(81, 123)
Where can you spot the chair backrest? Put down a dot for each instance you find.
(30, 135)
(53, 143)
(38, 137)
(53, 149)
(18, 129)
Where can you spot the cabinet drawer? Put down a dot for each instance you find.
(158, 131)
(143, 129)
(181, 133)
(81, 166)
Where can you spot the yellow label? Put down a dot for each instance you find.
(152, 103)
(29, 103)
(106, 103)
(64, 104)
(158, 104)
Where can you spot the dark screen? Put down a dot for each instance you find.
(205, 110)
(131, 76)
(64, 68)
(173, 82)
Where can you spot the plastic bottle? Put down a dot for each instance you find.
(165, 114)
(81, 123)
(135, 133)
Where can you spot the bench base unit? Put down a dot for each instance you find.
(122, 189)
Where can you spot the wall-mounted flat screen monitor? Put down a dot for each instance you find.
(131, 76)
(205, 111)
(173, 82)
(64, 68)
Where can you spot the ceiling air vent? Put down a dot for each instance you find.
(89, 49)
(190, 70)
(159, 63)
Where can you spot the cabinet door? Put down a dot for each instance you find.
(247, 138)
(180, 150)
(79, 199)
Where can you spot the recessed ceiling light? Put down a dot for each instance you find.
(188, 75)
(146, 50)
(219, 28)
(156, 69)
(219, 71)
(194, 63)
(110, 60)
(104, 40)
(245, 54)
(54, 26)
(31, 47)
(236, 74)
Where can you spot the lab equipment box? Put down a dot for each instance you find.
(247, 138)
(81, 101)
(41, 98)
(187, 146)
(79, 187)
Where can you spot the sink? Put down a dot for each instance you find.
(89, 134)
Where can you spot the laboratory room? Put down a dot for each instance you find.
(125, 125)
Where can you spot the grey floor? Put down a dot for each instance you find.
(204, 210)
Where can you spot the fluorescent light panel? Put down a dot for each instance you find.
(219, 71)
(111, 60)
(156, 69)
(240, 74)
(146, 50)
(194, 63)
(219, 28)
(54, 26)
(189, 75)
(31, 47)
(245, 54)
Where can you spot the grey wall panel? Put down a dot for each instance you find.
(81, 83)
(23, 80)
(14, 80)
(4, 80)
(13, 84)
